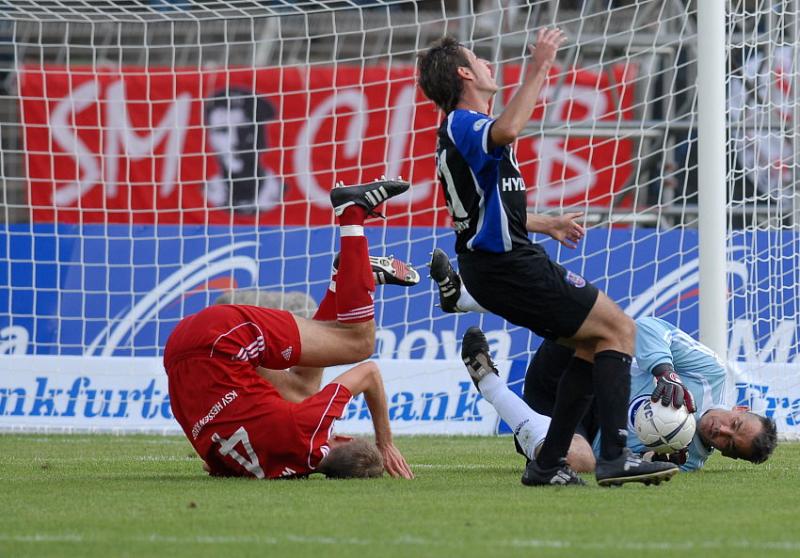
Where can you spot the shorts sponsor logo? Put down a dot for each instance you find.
(575, 280)
(287, 353)
(223, 402)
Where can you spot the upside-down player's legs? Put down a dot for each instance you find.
(352, 337)
(301, 382)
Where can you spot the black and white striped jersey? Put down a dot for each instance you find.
(484, 190)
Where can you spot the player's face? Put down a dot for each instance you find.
(731, 432)
(225, 129)
(482, 73)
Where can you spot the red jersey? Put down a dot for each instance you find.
(237, 421)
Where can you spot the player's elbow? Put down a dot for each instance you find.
(504, 134)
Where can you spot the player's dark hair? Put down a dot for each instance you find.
(764, 444)
(356, 459)
(438, 72)
(258, 111)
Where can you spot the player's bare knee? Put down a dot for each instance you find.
(363, 346)
(627, 333)
(580, 456)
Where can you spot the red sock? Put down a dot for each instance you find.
(353, 215)
(354, 283)
(327, 308)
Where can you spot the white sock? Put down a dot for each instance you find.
(528, 426)
(468, 304)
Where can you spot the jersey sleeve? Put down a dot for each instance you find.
(695, 459)
(653, 340)
(469, 131)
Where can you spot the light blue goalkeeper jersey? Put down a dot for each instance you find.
(702, 373)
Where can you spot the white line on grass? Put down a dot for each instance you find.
(406, 540)
(110, 459)
(462, 467)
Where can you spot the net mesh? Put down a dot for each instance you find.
(157, 155)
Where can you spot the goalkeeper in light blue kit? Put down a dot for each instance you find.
(670, 366)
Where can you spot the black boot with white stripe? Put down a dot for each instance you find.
(447, 280)
(630, 467)
(560, 475)
(476, 357)
(369, 196)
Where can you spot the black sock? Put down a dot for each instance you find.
(573, 397)
(612, 388)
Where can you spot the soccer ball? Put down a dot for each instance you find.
(664, 429)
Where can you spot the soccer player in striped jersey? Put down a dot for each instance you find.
(513, 277)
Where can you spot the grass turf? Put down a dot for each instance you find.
(144, 496)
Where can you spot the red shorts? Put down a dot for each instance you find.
(236, 420)
(250, 334)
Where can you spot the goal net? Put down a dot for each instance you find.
(158, 155)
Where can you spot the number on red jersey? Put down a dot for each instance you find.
(227, 447)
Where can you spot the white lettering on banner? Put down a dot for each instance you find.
(173, 126)
(551, 184)
(66, 136)
(14, 340)
(777, 348)
(425, 397)
(400, 126)
(426, 341)
(124, 394)
(771, 390)
(553, 187)
(119, 138)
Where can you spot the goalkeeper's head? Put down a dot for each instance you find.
(353, 459)
(739, 434)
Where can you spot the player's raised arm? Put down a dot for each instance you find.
(518, 112)
(366, 378)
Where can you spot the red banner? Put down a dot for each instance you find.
(266, 145)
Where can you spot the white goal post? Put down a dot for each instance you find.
(157, 154)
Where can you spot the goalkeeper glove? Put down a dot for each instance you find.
(670, 390)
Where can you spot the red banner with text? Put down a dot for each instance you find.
(181, 146)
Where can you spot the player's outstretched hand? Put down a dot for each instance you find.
(543, 53)
(394, 463)
(567, 230)
(670, 391)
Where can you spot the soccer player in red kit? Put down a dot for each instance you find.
(237, 422)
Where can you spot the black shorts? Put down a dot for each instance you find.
(541, 384)
(528, 289)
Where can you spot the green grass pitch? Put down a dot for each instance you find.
(147, 496)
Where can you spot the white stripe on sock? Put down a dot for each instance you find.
(351, 230)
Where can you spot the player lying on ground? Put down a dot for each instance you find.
(514, 278)
(299, 383)
(688, 372)
(237, 422)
